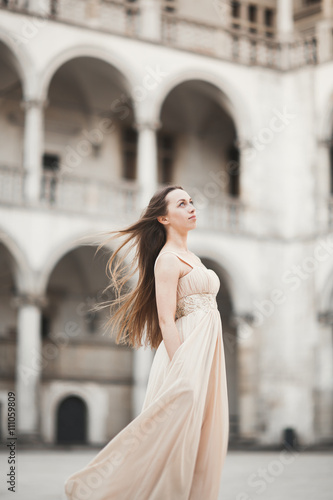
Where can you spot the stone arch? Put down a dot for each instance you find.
(23, 275)
(232, 100)
(233, 275)
(66, 246)
(62, 395)
(96, 52)
(22, 61)
(94, 398)
(57, 254)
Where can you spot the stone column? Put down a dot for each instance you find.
(28, 365)
(143, 359)
(147, 161)
(324, 217)
(250, 186)
(285, 31)
(287, 334)
(33, 148)
(323, 393)
(150, 16)
(247, 376)
(41, 7)
(284, 20)
(324, 32)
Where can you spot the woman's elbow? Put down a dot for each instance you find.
(166, 322)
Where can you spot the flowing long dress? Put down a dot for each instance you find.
(176, 447)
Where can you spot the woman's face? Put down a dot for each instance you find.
(180, 210)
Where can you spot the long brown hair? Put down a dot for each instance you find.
(137, 311)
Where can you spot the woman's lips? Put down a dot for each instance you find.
(193, 217)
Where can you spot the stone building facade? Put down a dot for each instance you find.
(102, 102)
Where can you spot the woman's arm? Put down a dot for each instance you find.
(167, 273)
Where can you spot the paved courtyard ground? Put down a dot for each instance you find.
(246, 476)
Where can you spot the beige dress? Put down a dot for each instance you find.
(176, 447)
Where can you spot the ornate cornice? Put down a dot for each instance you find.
(25, 299)
(152, 125)
(27, 104)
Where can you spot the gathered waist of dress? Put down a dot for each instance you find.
(195, 301)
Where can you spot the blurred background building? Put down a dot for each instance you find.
(101, 103)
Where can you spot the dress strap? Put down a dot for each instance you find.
(181, 258)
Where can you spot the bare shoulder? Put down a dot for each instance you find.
(168, 267)
(166, 260)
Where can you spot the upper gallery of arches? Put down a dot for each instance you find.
(88, 113)
(198, 138)
(11, 111)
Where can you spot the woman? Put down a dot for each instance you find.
(176, 447)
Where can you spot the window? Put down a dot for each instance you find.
(252, 13)
(233, 167)
(268, 17)
(252, 17)
(46, 326)
(130, 137)
(169, 6)
(166, 147)
(51, 166)
(51, 162)
(235, 9)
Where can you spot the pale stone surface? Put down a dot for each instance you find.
(246, 475)
(278, 267)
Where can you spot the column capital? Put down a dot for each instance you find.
(34, 103)
(151, 125)
(241, 318)
(29, 299)
(243, 144)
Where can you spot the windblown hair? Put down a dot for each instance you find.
(136, 316)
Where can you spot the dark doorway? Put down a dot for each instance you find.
(72, 421)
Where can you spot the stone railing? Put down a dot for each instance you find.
(117, 200)
(110, 15)
(236, 45)
(114, 16)
(67, 193)
(11, 185)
